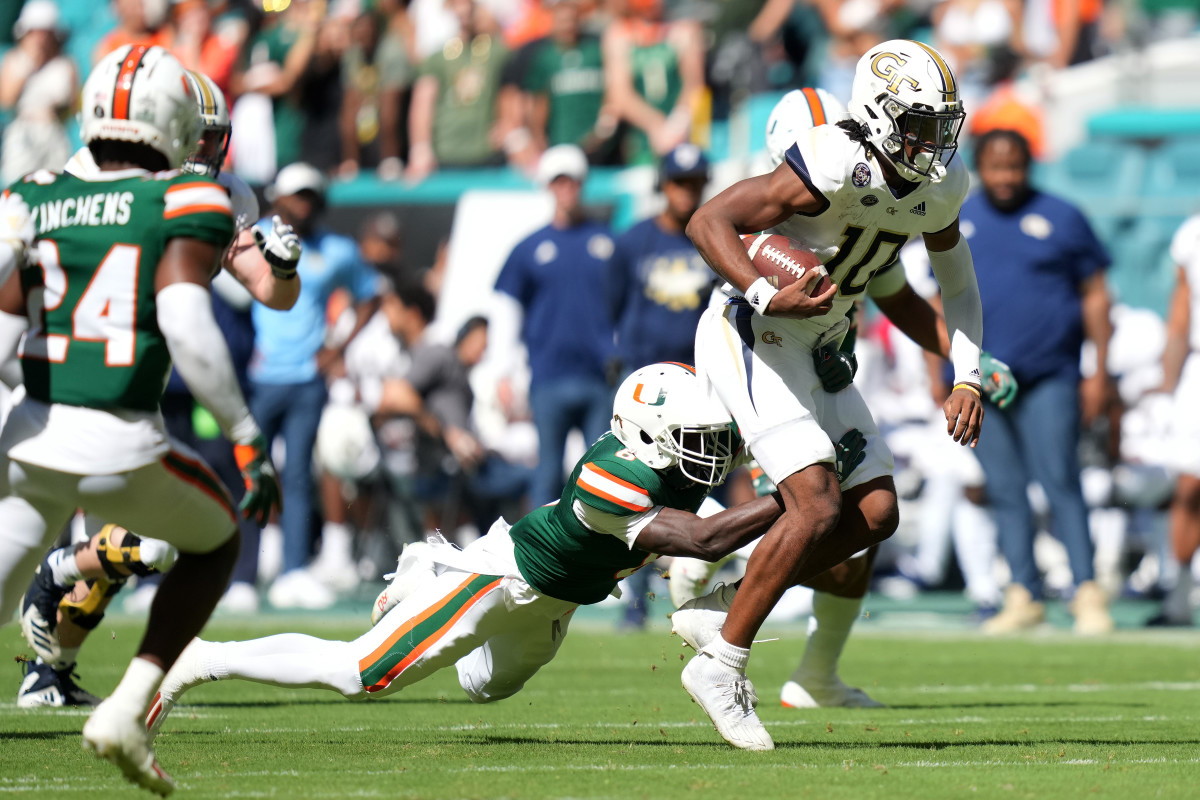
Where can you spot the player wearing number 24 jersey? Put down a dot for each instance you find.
(499, 610)
(113, 277)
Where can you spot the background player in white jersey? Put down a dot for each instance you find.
(853, 193)
(74, 584)
(499, 609)
(89, 433)
(1181, 376)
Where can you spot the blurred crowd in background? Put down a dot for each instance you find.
(388, 431)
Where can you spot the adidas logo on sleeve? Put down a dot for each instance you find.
(918, 209)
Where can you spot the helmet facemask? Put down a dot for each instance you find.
(703, 453)
(922, 140)
(209, 155)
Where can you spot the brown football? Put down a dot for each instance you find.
(783, 261)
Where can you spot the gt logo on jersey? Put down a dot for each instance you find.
(890, 74)
(637, 396)
(770, 337)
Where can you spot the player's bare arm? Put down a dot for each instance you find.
(246, 262)
(757, 204)
(950, 257)
(675, 532)
(916, 319)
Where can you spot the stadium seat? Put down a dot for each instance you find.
(1142, 274)
(1104, 178)
(1174, 171)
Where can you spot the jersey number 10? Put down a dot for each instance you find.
(849, 283)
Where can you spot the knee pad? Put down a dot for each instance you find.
(88, 612)
(134, 555)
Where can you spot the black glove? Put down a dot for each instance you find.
(850, 451)
(835, 368)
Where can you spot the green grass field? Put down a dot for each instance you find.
(1047, 716)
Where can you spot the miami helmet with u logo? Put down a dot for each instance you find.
(908, 99)
(666, 417)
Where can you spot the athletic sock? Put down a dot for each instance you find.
(729, 656)
(828, 629)
(287, 659)
(337, 543)
(138, 686)
(64, 568)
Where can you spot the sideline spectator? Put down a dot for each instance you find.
(452, 122)
(566, 80)
(271, 117)
(375, 75)
(290, 364)
(659, 283)
(654, 74)
(40, 84)
(1181, 377)
(138, 22)
(1041, 278)
(559, 277)
(199, 46)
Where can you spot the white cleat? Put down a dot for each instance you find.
(186, 672)
(826, 694)
(728, 698)
(414, 569)
(699, 621)
(116, 733)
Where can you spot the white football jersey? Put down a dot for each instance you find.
(245, 204)
(861, 227)
(1185, 252)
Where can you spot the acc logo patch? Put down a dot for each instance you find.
(869, 200)
(861, 176)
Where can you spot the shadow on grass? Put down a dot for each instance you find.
(1030, 704)
(330, 701)
(39, 734)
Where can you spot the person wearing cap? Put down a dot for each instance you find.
(289, 366)
(554, 281)
(658, 287)
(40, 85)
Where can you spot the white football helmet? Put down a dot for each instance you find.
(907, 98)
(214, 117)
(797, 111)
(664, 416)
(141, 94)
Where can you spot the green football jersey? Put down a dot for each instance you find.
(562, 557)
(94, 339)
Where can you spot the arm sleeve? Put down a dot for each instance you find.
(955, 273)
(198, 349)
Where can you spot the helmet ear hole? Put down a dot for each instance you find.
(646, 438)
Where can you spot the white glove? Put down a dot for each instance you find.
(16, 223)
(281, 248)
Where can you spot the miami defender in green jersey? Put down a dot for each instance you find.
(97, 341)
(499, 610)
(114, 272)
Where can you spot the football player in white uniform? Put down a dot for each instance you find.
(854, 193)
(74, 584)
(815, 682)
(1181, 376)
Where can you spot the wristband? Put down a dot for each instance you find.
(965, 385)
(759, 295)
